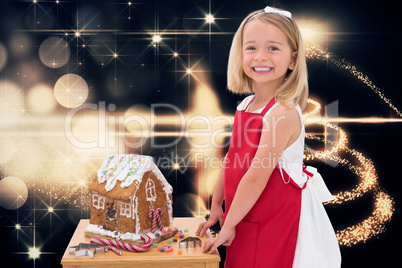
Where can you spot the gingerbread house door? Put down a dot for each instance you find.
(111, 218)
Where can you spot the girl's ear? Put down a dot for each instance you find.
(293, 61)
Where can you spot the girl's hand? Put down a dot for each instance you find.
(224, 238)
(215, 216)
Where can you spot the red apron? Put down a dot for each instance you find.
(267, 235)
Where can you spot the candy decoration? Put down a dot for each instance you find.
(158, 212)
(155, 215)
(153, 224)
(165, 248)
(122, 245)
(115, 250)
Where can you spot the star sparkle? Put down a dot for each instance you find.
(209, 18)
(34, 252)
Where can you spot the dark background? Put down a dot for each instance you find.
(365, 33)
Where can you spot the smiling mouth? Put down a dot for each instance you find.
(262, 69)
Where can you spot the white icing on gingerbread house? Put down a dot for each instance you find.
(126, 187)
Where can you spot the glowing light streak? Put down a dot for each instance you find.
(363, 120)
(384, 209)
(185, 134)
(365, 170)
(316, 109)
(313, 52)
(121, 32)
(370, 227)
(384, 205)
(313, 32)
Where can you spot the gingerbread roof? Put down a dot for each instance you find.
(120, 175)
(115, 193)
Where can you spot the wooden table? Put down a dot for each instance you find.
(151, 258)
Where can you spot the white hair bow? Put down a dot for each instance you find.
(285, 14)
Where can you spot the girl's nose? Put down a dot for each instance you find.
(261, 55)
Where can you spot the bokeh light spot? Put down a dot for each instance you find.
(20, 45)
(41, 99)
(54, 52)
(71, 90)
(11, 101)
(3, 56)
(13, 193)
(7, 150)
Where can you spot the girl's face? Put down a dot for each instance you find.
(267, 55)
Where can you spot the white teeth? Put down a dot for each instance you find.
(262, 69)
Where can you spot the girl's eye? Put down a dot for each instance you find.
(250, 48)
(272, 48)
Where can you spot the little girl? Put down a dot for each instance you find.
(274, 215)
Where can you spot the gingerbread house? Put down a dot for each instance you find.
(127, 194)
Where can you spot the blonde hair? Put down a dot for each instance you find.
(294, 90)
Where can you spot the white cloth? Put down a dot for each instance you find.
(317, 246)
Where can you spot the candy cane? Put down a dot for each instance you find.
(158, 212)
(152, 214)
(155, 215)
(122, 245)
(115, 250)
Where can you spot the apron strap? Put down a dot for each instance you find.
(286, 178)
(266, 108)
(308, 173)
(269, 105)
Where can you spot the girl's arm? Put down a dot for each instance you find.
(283, 127)
(216, 206)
